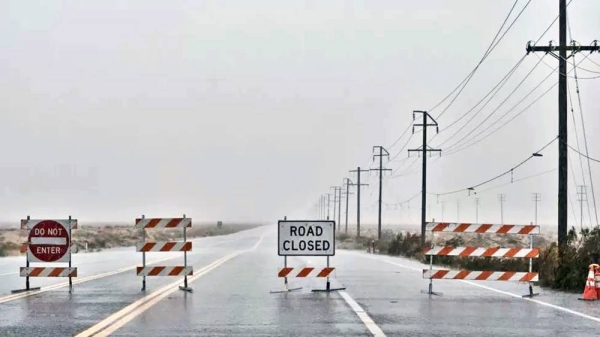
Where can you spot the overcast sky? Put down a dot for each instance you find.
(250, 110)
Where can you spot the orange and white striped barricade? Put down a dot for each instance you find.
(498, 252)
(596, 276)
(306, 238)
(48, 241)
(164, 246)
(305, 272)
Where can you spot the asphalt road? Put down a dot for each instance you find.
(233, 277)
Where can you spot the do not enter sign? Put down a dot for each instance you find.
(49, 241)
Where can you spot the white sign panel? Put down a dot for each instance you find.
(306, 238)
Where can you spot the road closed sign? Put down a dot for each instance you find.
(49, 241)
(306, 238)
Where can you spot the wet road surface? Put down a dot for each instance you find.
(233, 277)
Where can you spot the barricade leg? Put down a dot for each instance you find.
(143, 257)
(27, 287)
(287, 289)
(185, 280)
(328, 285)
(531, 293)
(430, 290)
(70, 258)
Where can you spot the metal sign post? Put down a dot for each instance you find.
(531, 293)
(498, 252)
(306, 238)
(70, 256)
(164, 246)
(285, 279)
(185, 265)
(143, 255)
(48, 241)
(430, 291)
(27, 277)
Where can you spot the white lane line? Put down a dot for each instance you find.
(120, 318)
(362, 314)
(573, 312)
(13, 297)
(546, 304)
(115, 321)
(14, 273)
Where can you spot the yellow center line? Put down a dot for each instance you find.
(13, 297)
(127, 314)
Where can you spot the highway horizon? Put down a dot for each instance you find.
(233, 277)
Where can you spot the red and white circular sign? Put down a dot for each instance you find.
(49, 241)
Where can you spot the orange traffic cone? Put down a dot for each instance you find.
(597, 278)
(589, 293)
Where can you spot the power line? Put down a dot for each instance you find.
(577, 141)
(472, 188)
(598, 64)
(585, 140)
(407, 200)
(583, 155)
(541, 36)
(552, 24)
(403, 147)
(581, 78)
(464, 147)
(406, 171)
(402, 135)
(491, 47)
(493, 112)
(503, 80)
(518, 180)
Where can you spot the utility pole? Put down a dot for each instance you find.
(335, 195)
(424, 149)
(537, 197)
(358, 185)
(381, 170)
(477, 210)
(322, 207)
(316, 210)
(501, 197)
(328, 204)
(339, 209)
(348, 182)
(562, 49)
(582, 193)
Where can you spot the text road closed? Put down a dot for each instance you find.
(307, 238)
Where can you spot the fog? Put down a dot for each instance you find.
(237, 110)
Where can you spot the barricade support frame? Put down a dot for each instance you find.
(28, 287)
(482, 228)
(185, 286)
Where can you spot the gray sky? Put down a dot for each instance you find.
(251, 109)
